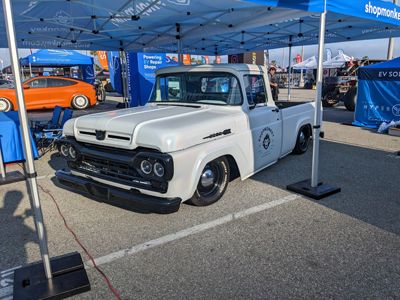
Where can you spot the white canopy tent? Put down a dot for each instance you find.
(309, 63)
(338, 61)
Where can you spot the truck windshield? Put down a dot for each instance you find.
(201, 88)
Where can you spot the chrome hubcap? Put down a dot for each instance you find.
(80, 101)
(302, 138)
(207, 178)
(3, 105)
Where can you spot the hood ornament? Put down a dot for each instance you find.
(100, 135)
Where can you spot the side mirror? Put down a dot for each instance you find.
(26, 87)
(252, 106)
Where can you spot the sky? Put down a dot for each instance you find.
(374, 49)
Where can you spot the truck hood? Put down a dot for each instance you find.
(166, 128)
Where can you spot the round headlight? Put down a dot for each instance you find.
(159, 169)
(146, 167)
(72, 152)
(64, 150)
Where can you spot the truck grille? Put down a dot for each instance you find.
(108, 168)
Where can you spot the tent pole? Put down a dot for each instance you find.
(390, 54)
(301, 74)
(318, 107)
(313, 188)
(2, 167)
(29, 165)
(289, 69)
(122, 60)
(30, 70)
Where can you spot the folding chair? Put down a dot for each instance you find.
(46, 139)
(53, 123)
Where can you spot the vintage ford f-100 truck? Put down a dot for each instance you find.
(202, 124)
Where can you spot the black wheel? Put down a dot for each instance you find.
(303, 140)
(329, 100)
(80, 102)
(212, 184)
(101, 94)
(5, 105)
(350, 100)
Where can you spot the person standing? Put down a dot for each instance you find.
(273, 83)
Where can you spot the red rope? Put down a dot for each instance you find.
(110, 286)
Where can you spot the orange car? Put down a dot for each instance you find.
(49, 91)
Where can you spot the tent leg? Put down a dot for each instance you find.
(289, 69)
(124, 74)
(10, 177)
(313, 188)
(28, 281)
(390, 53)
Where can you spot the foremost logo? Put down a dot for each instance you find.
(381, 11)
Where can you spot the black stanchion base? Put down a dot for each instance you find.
(11, 177)
(69, 278)
(317, 193)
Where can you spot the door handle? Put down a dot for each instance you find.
(275, 110)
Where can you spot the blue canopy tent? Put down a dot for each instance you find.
(201, 27)
(378, 97)
(62, 58)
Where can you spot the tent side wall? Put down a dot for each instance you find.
(378, 96)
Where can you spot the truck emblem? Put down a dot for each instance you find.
(266, 142)
(100, 135)
(214, 135)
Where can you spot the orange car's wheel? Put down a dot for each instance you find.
(80, 102)
(5, 105)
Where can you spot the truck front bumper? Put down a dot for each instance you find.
(133, 199)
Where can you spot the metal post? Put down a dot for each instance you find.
(29, 165)
(318, 111)
(289, 69)
(2, 167)
(30, 70)
(301, 73)
(390, 53)
(124, 74)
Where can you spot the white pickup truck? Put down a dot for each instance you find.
(202, 125)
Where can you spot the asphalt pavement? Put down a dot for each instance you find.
(258, 242)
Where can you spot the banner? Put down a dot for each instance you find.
(141, 69)
(103, 60)
(88, 73)
(114, 66)
(378, 97)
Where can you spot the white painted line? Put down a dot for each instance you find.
(190, 231)
(9, 270)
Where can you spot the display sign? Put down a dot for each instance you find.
(114, 67)
(103, 60)
(142, 68)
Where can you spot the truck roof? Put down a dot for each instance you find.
(215, 68)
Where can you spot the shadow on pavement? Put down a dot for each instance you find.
(15, 233)
(369, 180)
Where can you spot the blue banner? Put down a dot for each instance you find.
(142, 69)
(114, 66)
(376, 10)
(88, 74)
(378, 97)
(305, 5)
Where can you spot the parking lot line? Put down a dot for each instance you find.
(6, 289)
(190, 231)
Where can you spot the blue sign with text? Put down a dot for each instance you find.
(142, 69)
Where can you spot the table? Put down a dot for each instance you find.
(10, 138)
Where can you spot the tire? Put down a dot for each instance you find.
(303, 140)
(350, 100)
(329, 101)
(212, 186)
(80, 102)
(101, 94)
(5, 105)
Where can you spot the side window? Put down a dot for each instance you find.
(170, 88)
(53, 82)
(38, 83)
(255, 89)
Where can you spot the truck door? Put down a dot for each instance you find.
(265, 123)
